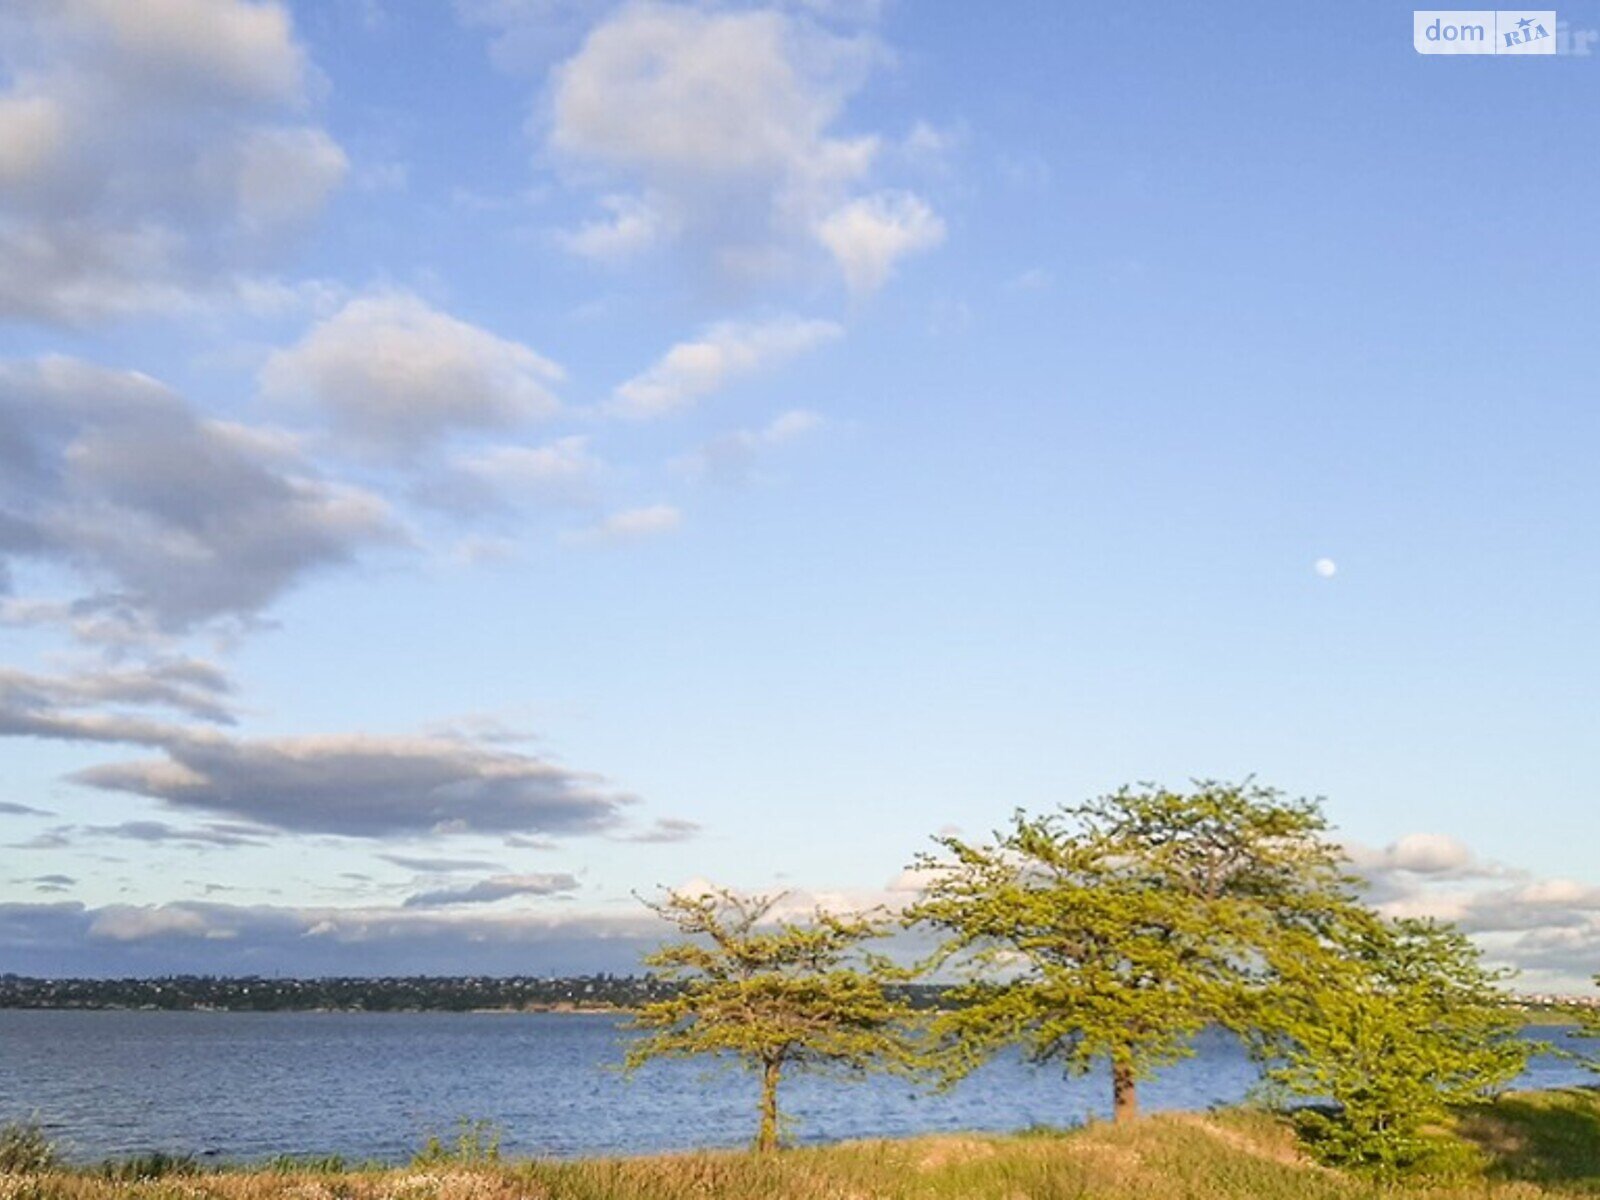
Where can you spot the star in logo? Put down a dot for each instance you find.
(1524, 23)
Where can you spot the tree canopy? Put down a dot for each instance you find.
(773, 994)
(1115, 930)
(1410, 1024)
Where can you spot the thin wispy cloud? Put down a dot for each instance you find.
(629, 525)
(732, 458)
(493, 889)
(720, 356)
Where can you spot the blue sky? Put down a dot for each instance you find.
(508, 455)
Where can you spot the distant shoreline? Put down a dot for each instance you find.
(532, 1010)
(592, 994)
(414, 993)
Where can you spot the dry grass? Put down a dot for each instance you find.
(1540, 1146)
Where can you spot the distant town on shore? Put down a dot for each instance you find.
(416, 993)
(425, 993)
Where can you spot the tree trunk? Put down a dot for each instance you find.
(1124, 1091)
(767, 1137)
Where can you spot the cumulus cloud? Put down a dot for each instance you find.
(527, 32)
(175, 517)
(367, 786)
(1541, 927)
(127, 923)
(395, 375)
(723, 353)
(868, 236)
(1420, 853)
(496, 887)
(632, 224)
(724, 124)
(629, 525)
(732, 457)
(150, 153)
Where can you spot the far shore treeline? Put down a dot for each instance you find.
(364, 993)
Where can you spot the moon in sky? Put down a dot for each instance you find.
(1326, 567)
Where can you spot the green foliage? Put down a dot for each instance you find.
(1589, 1028)
(476, 1143)
(1546, 1137)
(773, 994)
(25, 1149)
(155, 1164)
(1408, 1027)
(311, 1164)
(1117, 929)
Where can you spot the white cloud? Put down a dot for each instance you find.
(169, 518)
(732, 457)
(496, 887)
(869, 235)
(1547, 928)
(631, 226)
(395, 374)
(722, 124)
(243, 51)
(150, 154)
(32, 133)
(562, 471)
(1421, 853)
(1034, 279)
(724, 352)
(362, 785)
(130, 924)
(630, 525)
(678, 92)
(283, 177)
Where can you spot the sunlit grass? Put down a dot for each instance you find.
(1532, 1145)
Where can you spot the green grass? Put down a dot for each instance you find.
(1528, 1146)
(1550, 1137)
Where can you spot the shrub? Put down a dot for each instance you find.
(25, 1150)
(154, 1164)
(476, 1143)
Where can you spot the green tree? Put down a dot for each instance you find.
(773, 994)
(1589, 1027)
(1117, 929)
(1410, 1025)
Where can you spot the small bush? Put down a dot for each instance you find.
(156, 1164)
(316, 1164)
(1360, 1139)
(477, 1143)
(25, 1150)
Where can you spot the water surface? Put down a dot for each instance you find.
(244, 1086)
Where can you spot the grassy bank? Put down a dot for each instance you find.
(1525, 1146)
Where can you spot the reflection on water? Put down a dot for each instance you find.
(244, 1086)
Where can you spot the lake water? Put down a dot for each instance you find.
(242, 1086)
